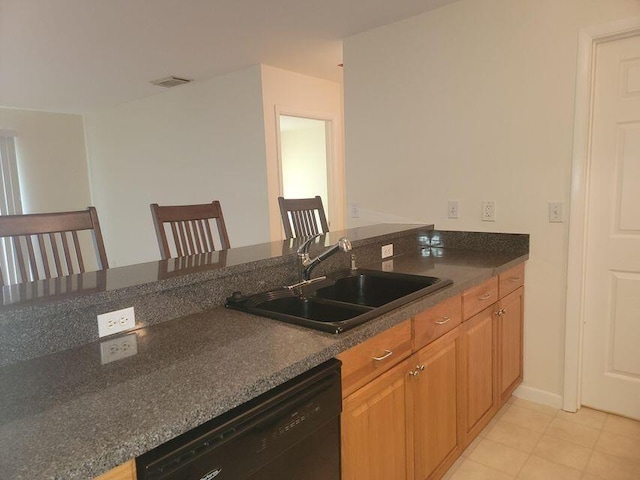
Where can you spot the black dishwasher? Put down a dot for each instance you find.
(291, 432)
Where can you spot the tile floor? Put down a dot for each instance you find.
(529, 441)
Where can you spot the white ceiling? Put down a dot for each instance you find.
(81, 55)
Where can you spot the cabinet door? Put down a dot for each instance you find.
(375, 441)
(477, 375)
(435, 410)
(510, 325)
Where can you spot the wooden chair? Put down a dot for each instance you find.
(302, 217)
(46, 245)
(191, 228)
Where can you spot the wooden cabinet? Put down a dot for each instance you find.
(477, 369)
(126, 471)
(375, 440)
(433, 392)
(509, 343)
(366, 361)
(408, 416)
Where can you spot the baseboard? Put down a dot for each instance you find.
(539, 396)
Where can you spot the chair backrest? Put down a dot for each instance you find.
(191, 228)
(47, 245)
(302, 217)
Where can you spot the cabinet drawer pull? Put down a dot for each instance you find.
(486, 296)
(444, 320)
(501, 312)
(514, 279)
(386, 355)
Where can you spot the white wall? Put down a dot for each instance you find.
(474, 101)
(52, 163)
(191, 144)
(293, 93)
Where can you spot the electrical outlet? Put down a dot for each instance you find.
(556, 212)
(452, 209)
(387, 251)
(118, 348)
(488, 211)
(116, 321)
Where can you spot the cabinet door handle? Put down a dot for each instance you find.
(386, 355)
(501, 312)
(444, 320)
(486, 296)
(514, 279)
(414, 373)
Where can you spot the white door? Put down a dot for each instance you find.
(611, 348)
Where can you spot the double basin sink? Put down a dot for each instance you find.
(342, 301)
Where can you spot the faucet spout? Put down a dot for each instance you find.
(309, 264)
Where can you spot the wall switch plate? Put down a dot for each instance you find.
(452, 209)
(116, 321)
(355, 210)
(488, 211)
(118, 348)
(387, 250)
(556, 212)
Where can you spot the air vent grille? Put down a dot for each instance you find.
(169, 82)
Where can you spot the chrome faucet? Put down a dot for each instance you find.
(307, 264)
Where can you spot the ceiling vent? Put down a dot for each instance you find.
(169, 82)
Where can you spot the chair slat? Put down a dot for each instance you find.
(191, 228)
(76, 243)
(302, 217)
(56, 254)
(17, 243)
(67, 253)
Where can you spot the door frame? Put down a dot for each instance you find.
(335, 163)
(588, 39)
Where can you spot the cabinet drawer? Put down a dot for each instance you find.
(436, 321)
(511, 280)
(366, 361)
(478, 298)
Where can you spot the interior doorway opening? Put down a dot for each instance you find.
(305, 159)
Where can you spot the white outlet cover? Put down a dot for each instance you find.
(387, 251)
(556, 214)
(452, 209)
(118, 348)
(489, 211)
(116, 321)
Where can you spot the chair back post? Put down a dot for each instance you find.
(302, 217)
(190, 228)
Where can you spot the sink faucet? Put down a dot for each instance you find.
(307, 264)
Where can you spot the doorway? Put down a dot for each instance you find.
(305, 159)
(602, 361)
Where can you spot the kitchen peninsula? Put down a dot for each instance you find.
(65, 412)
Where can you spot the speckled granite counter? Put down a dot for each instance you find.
(66, 415)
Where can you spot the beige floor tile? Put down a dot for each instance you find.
(500, 457)
(619, 445)
(453, 468)
(585, 416)
(467, 451)
(573, 432)
(527, 418)
(609, 467)
(565, 453)
(536, 407)
(622, 426)
(514, 435)
(540, 469)
(470, 470)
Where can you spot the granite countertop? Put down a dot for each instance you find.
(66, 415)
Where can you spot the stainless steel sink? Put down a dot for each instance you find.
(346, 299)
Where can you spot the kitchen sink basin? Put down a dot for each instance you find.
(373, 288)
(344, 300)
